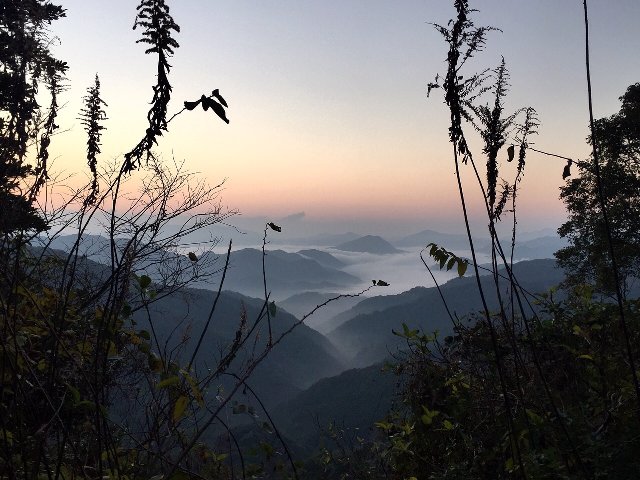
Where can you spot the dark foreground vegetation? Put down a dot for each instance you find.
(102, 365)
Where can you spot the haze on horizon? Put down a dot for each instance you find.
(327, 101)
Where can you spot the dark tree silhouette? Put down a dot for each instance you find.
(26, 65)
(585, 259)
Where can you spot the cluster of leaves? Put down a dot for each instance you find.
(91, 117)
(446, 258)
(453, 408)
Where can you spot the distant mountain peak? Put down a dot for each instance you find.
(368, 244)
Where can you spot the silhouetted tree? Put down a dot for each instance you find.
(26, 64)
(585, 259)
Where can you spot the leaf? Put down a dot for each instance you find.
(216, 107)
(534, 417)
(144, 334)
(155, 364)
(462, 267)
(274, 227)
(180, 407)
(216, 93)
(191, 105)
(167, 382)
(510, 152)
(195, 390)
(508, 465)
(586, 357)
(126, 310)
(74, 392)
(428, 415)
(447, 425)
(144, 281)
(451, 262)
(272, 309)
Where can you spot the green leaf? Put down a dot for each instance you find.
(195, 390)
(508, 465)
(167, 382)
(386, 426)
(451, 262)
(462, 267)
(428, 415)
(447, 425)
(144, 281)
(180, 407)
(126, 310)
(144, 334)
(74, 392)
(220, 457)
(534, 417)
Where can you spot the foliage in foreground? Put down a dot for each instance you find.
(542, 387)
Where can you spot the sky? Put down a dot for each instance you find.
(327, 100)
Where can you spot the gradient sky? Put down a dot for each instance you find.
(327, 99)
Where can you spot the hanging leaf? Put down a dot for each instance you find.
(567, 170)
(510, 152)
(195, 390)
(451, 263)
(205, 102)
(218, 109)
(191, 105)
(274, 227)
(462, 267)
(216, 93)
(167, 382)
(180, 407)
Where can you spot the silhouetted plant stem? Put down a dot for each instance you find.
(237, 445)
(275, 429)
(605, 217)
(264, 280)
(213, 308)
(547, 153)
(494, 339)
(444, 301)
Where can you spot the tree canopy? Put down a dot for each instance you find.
(585, 258)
